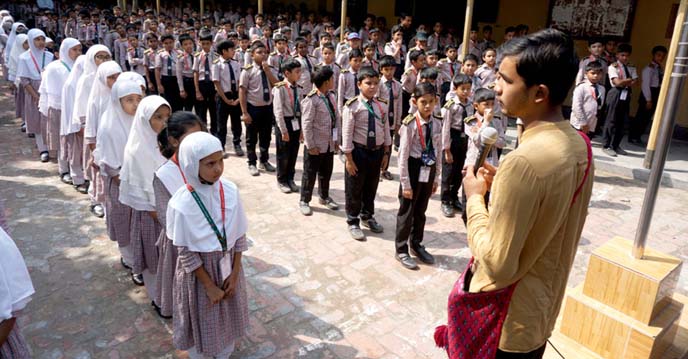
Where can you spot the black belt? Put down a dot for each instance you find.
(364, 147)
(167, 77)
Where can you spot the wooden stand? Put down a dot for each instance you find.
(625, 308)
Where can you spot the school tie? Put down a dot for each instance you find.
(308, 63)
(627, 74)
(437, 42)
(169, 64)
(390, 108)
(356, 92)
(232, 79)
(297, 108)
(267, 45)
(660, 74)
(597, 96)
(96, 33)
(266, 85)
(191, 60)
(464, 114)
(207, 68)
(371, 126)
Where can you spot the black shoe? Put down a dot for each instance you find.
(126, 266)
(23, 127)
(226, 155)
(81, 188)
(447, 210)
(157, 310)
(620, 151)
(66, 178)
(137, 279)
(238, 151)
(97, 210)
(293, 186)
(31, 135)
(329, 203)
(423, 255)
(458, 206)
(387, 175)
(372, 225)
(356, 233)
(406, 261)
(45, 156)
(284, 187)
(266, 166)
(305, 209)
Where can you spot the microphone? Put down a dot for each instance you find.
(488, 137)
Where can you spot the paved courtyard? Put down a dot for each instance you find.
(313, 292)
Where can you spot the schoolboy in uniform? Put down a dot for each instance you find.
(185, 72)
(410, 78)
(307, 62)
(348, 79)
(150, 56)
(647, 102)
(242, 55)
(136, 56)
(328, 61)
(256, 108)
(450, 67)
(321, 133)
(596, 49)
(279, 56)
(588, 97)
(421, 45)
(454, 112)
(204, 61)
(390, 91)
(366, 143)
(226, 74)
(622, 76)
(286, 97)
(369, 56)
(420, 148)
(165, 74)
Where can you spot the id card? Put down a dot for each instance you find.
(295, 125)
(424, 176)
(334, 134)
(624, 95)
(225, 266)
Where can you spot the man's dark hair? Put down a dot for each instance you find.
(434, 52)
(487, 28)
(659, 48)
(300, 41)
(414, 55)
(461, 79)
(257, 45)
(627, 48)
(328, 46)
(387, 61)
(430, 73)
(166, 37)
(206, 36)
(321, 74)
(366, 72)
(471, 57)
(509, 29)
(424, 88)
(483, 94)
(546, 57)
(355, 53)
(593, 66)
(369, 45)
(225, 45)
(184, 37)
(396, 28)
(290, 65)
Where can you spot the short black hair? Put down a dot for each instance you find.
(289, 65)
(487, 28)
(206, 36)
(328, 46)
(300, 40)
(166, 37)
(355, 53)
(396, 28)
(433, 52)
(224, 45)
(659, 48)
(177, 125)
(366, 72)
(489, 48)
(387, 61)
(184, 37)
(471, 57)
(369, 45)
(483, 94)
(509, 29)
(304, 33)
(257, 45)
(430, 73)
(451, 46)
(461, 79)
(546, 57)
(414, 55)
(424, 88)
(627, 48)
(321, 74)
(595, 40)
(593, 66)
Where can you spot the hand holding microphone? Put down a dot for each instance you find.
(488, 137)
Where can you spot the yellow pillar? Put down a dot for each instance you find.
(260, 6)
(157, 6)
(467, 28)
(343, 21)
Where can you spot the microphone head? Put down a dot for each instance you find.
(488, 136)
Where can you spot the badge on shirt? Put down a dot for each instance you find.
(225, 266)
(424, 175)
(624, 95)
(295, 125)
(371, 134)
(334, 134)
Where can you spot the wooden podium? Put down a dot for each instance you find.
(625, 308)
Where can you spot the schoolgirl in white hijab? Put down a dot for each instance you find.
(16, 290)
(99, 98)
(69, 130)
(141, 158)
(207, 322)
(17, 28)
(108, 155)
(5, 27)
(95, 55)
(54, 79)
(29, 69)
(20, 45)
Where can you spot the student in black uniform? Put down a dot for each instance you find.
(226, 72)
(203, 81)
(286, 97)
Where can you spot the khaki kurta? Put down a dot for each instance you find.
(531, 231)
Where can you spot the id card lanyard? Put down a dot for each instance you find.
(222, 238)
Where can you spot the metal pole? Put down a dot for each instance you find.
(676, 82)
(467, 28)
(342, 25)
(157, 6)
(657, 118)
(260, 6)
(203, 7)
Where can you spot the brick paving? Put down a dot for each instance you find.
(313, 291)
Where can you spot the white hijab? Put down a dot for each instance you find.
(15, 283)
(114, 127)
(10, 40)
(17, 50)
(55, 75)
(67, 126)
(33, 62)
(134, 76)
(86, 80)
(186, 224)
(141, 158)
(5, 20)
(99, 98)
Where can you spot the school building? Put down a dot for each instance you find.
(648, 22)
